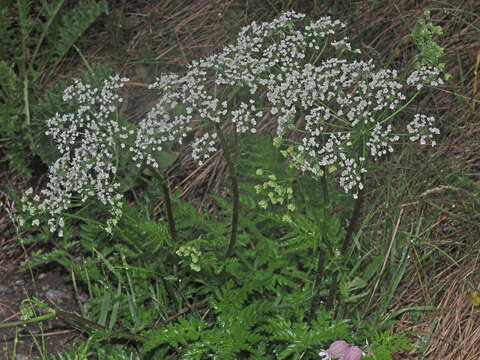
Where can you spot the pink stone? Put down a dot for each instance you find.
(352, 353)
(338, 349)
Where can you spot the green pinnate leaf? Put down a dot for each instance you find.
(74, 23)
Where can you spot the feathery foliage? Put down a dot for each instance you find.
(32, 44)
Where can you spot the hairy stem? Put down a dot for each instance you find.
(236, 201)
(354, 220)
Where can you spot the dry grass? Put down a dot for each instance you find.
(10, 256)
(457, 334)
(456, 330)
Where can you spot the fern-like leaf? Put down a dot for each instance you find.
(73, 25)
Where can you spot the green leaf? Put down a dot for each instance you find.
(165, 158)
(174, 334)
(372, 268)
(9, 82)
(104, 310)
(422, 36)
(73, 24)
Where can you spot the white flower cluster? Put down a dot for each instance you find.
(257, 50)
(31, 208)
(203, 147)
(380, 141)
(425, 75)
(88, 141)
(421, 128)
(355, 93)
(160, 126)
(348, 105)
(292, 69)
(261, 50)
(244, 118)
(184, 99)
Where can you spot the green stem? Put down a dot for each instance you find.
(23, 71)
(26, 101)
(50, 315)
(71, 316)
(42, 37)
(236, 201)
(400, 109)
(321, 51)
(346, 243)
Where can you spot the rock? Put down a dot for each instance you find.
(42, 276)
(57, 296)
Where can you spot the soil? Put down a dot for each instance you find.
(47, 285)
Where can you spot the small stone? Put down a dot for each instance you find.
(57, 295)
(42, 276)
(338, 349)
(353, 353)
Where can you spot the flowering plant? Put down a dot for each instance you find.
(334, 116)
(89, 154)
(344, 111)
